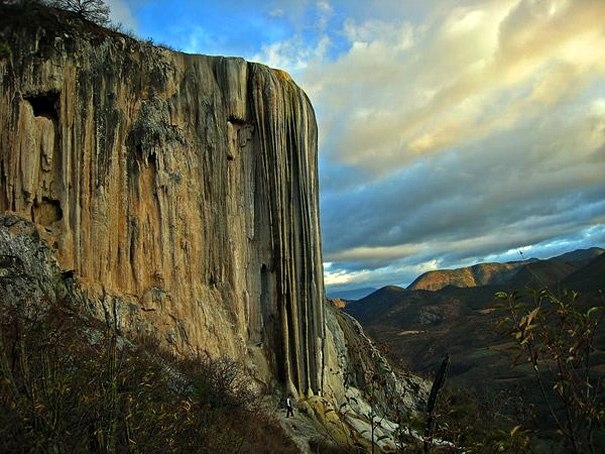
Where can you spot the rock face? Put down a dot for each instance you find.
(182, 190)
(176, 196)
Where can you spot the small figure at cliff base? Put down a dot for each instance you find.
(289, 409)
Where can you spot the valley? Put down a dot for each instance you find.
(419, 327)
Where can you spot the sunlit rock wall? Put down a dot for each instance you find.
(181, 189)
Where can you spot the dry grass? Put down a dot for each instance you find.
(68, 384)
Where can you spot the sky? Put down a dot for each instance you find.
(451, 132)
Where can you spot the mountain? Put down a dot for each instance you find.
(420, 326)
(376, 303)
(526, 272)
(583, 280)
(350, 295)
(542, 273)
(472, 276)
(580, 255)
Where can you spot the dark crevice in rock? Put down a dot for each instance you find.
(47, 212)
(45, 104)
(233, 119)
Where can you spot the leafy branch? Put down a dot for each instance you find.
(556, 336)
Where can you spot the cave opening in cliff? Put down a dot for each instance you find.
(45, 104)
(47, 211)
(238, 121)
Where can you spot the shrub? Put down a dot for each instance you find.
(5, 50)
(555, 335)
(68, 384)
(96, 11)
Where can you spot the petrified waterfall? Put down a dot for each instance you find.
(182, 190)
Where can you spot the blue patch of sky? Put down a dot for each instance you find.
(235, 29)
(339, 43)
(216, 30)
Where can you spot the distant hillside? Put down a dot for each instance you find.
(472, 276)
(543, 273)
(532, 272)
(462, 319)
(421, 325)
(375, 304)
(350, 295)
(585, 279)
(580, 255)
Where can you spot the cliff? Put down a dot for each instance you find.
(175, 196)
(180, 189)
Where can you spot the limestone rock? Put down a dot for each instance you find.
(176, 196)
(182, 190)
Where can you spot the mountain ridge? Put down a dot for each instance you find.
(492, 273)
(484, 273)
(420, 325)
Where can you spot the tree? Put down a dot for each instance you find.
(556, 336)
(22, 3)
(93, 10)
(430, 418)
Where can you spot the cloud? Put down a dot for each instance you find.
(291, 54)
(120, 13)
(462, 136)
(511, 175)
(479, 71)
(451, 131)
(308, 40)
(517, 188)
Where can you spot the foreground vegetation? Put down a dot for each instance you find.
(555, 335)
(96, 11)
(68, 384)
(559, 404)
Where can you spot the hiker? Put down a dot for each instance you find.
(289, 410)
